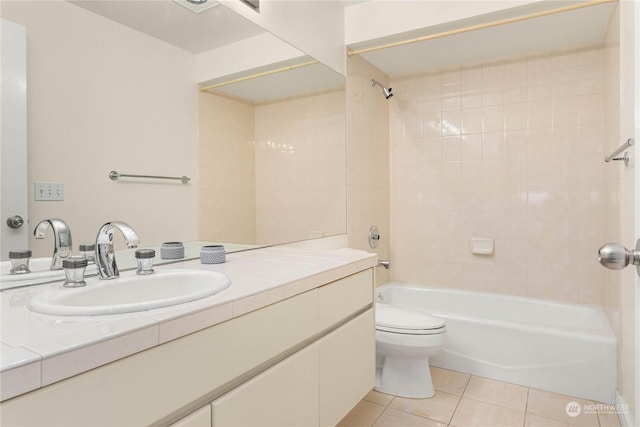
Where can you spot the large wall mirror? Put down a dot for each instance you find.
(119, 86)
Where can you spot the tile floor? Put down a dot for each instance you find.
(464, 400)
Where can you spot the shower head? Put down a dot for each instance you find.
(385, 90)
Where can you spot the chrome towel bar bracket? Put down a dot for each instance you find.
(619, 150)
(115, 175)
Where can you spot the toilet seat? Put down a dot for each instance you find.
(402, 320)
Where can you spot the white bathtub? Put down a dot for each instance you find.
(561, 347)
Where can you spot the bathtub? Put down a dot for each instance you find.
(561, 347)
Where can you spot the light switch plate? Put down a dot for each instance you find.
(48, 191)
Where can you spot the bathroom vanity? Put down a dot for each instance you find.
(291, 342)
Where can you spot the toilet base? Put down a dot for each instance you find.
(404, 376)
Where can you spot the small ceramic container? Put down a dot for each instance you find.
(212, 254)
(172, 250)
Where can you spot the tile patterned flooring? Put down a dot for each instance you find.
(464, 400)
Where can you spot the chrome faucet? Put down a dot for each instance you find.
(61, 239)
(105, 255)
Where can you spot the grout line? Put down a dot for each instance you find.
(526, 408)
(466, 386)
(459, 400)
(379, 416)
(391, 401)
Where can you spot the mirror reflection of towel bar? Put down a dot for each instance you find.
(115, 175)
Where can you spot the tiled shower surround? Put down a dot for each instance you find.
(510, 150)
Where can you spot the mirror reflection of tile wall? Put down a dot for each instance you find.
(283, 170)
(226, 196)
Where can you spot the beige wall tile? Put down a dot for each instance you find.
(300, 172)
(226, 197)
(527, 171)
(369, 132)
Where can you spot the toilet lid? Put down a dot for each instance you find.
(402, 318)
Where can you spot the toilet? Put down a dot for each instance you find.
(405, 339)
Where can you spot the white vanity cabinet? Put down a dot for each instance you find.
(347, 367)
(199, 418)
(286, 394)
(318, 385)
(306, 360)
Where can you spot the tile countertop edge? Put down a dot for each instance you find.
(190, 321)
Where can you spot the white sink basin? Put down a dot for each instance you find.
(129, 293)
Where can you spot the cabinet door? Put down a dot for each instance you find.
(199, 418)
(347, 367)
(284, 395)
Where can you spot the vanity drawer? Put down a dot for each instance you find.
(342, 298)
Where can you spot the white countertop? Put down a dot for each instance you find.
(37, 350)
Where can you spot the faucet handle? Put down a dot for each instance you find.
(74, 268)
(20, 261)
(144, 257)
(88, 252)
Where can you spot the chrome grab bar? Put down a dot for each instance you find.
(115, 175)
(619, 150)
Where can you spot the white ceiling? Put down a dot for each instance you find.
(215, 27)
(218, 26)
(308, 79)
(571, 29)
(168, 21)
